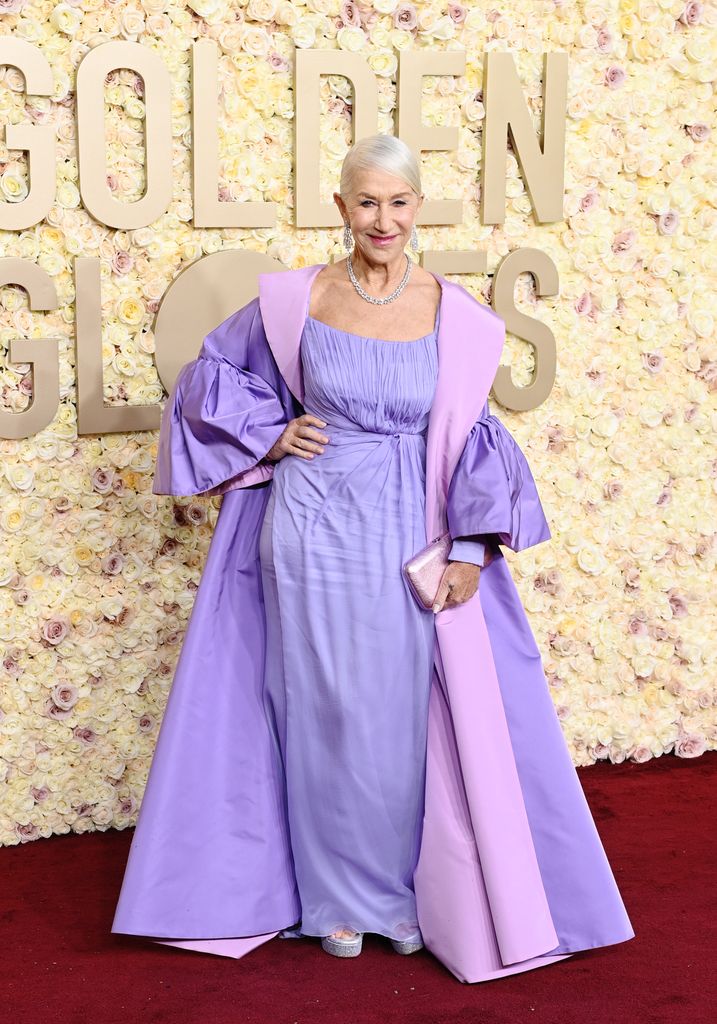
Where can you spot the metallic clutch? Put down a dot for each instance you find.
(425, 569)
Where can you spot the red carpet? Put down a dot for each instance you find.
(656, 820)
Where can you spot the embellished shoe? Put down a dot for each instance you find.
(411, 944)
(339, 946)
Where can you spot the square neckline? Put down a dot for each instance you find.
(364, 337)
(382, 341)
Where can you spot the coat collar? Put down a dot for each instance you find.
(470, 340)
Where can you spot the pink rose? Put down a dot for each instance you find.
(615, 77)
(631, 575)
(457, 13)
(122, 262)
(653, 361)
(584, 305)
(667, 223)
(349, 14)
(169, 547)
(636, 626)
(101, 480)
(277, 62)
(86, 735)
(556, 439)
(678, 604)
(605, 40)
(195, 514)
(691, 14)
(65, 695)
(699, 131)
(51, 710)
(589, 200)
(55, 630)
(690, 745)
(624, 240)
(405, 17)
(704, 544)
(113, 563)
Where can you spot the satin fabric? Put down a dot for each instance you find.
(349, 651)
(511, 873)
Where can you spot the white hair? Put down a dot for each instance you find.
(386, 152)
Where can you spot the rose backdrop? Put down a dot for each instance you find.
(98, 575)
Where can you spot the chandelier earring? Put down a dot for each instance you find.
(414, 239)
(348, 238)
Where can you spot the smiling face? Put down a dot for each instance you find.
(381, 210)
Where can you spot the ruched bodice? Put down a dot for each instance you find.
(356, 381)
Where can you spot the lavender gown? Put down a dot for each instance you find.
(349, 651)
(227, 881)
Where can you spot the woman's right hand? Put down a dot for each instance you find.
(297, 439)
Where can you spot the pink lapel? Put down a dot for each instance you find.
(284, 303)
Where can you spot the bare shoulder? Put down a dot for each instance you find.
(327, 279)
(426, 282)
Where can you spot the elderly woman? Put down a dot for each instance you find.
(311, 717)
(350, 652)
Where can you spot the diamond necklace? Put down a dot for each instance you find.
(386, 298)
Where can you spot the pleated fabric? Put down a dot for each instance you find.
(349, 652)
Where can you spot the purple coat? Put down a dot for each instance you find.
(512, 874)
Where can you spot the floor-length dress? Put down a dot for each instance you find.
(349, 652)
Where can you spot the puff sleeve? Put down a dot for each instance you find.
(492, 497)
(219, 420)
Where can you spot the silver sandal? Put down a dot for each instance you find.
(411, 944)
(342, 946)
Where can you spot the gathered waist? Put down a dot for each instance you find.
(350, 431)
(364, 467)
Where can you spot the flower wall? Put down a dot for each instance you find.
(98, 575)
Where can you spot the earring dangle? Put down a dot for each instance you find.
(348, 238)
(414, 239)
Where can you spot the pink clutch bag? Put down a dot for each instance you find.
(425, 569)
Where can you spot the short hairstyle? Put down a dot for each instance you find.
(384, 151)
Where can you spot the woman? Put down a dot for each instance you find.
(345, 512)
(330, 830)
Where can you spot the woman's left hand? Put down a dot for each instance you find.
(458, 583)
